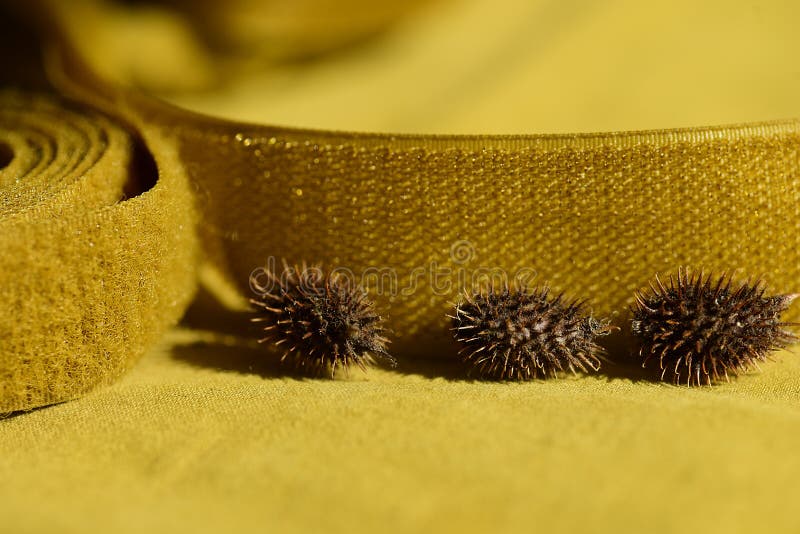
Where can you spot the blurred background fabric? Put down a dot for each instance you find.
(206, 433)
(459, 66)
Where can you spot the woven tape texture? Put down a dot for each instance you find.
(416, 219)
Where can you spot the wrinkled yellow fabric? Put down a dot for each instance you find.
(207, 433)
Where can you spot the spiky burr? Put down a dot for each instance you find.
(522, 334)
(322, 321)
(703, 329)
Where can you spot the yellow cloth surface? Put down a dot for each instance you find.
(208, 433)
(208, 438)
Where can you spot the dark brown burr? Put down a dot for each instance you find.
(322, 321)
(521, 334)
(703, 329)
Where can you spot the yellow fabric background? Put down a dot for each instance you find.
(204, 434)
(194, 440)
